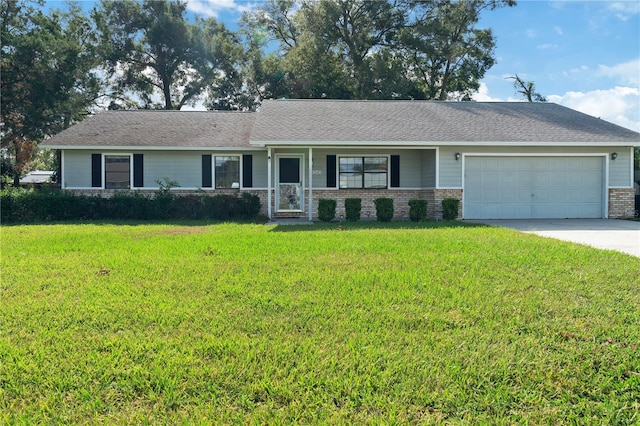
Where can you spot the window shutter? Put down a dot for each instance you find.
(395, 171)
(331, 171)
(138, 167)
(207, 174)
(96, 170)
(247, 171)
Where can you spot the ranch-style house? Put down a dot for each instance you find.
(501, 160)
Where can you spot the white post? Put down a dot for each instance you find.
(310, 205)
(269, 182)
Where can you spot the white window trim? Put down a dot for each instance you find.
(213, 171)
(104, 169)
(356, 155)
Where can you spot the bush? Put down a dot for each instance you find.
(450, 208)
(384, 209)
(352, 207)
(326, 209)
(417, 210)
(27, 206)
(231, 207)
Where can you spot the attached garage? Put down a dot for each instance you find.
(534, 187)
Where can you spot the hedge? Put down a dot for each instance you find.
(29, 206)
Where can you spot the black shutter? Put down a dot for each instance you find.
(138, 167)
(395, 171)
(331, 171)
(247, 171)
(96, 170)
(207, 175)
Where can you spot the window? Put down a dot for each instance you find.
(228, 172)
(363, 172)
(117, 172)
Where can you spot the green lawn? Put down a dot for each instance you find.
(364, 323)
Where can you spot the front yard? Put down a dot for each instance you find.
(330, 323)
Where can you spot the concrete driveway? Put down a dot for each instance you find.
(608, 234)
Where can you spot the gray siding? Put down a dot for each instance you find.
(259, 169)
(428, 176)
(182, 167)
(77, 169)
(620, 169)
(450, 169)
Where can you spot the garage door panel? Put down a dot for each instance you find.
(533, 187)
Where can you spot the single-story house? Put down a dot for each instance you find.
(502, 160)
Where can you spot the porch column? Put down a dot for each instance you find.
(310, 205)
(269, 182)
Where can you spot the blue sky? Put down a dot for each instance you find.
(581, 54)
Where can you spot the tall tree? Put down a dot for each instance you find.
(155, 53)
(48, 77)
(427, 49)
(448, 54)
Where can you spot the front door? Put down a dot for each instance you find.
(290, 190)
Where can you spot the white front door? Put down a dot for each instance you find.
(290, 184)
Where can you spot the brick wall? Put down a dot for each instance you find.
(621, 203)
(400, 197)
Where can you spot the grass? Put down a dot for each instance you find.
(351, 323)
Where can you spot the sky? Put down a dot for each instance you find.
(581, 54)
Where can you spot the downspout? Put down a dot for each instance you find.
(269, 182)
(310, 205)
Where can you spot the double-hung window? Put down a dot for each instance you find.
(227, 172)
(117, 171)
(363, 172)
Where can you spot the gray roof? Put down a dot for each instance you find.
(430, 121)
(338, 122)
(162, 129)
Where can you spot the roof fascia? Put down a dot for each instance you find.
(153, 148)
(342, 144)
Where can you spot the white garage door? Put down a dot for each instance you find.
(504, 187)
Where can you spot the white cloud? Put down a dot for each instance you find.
(547, 46)
(531, 33)
(624, 10)
(483, 95)
(558, 30)
(628, 72)
(619, 105)
(211, 8)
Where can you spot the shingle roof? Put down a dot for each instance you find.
(334, 121)
(170, 129)
(389, 121)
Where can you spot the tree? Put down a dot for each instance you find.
(154, 52)
(48, 77)
(386, 49)
(527, 89)
(445, 50)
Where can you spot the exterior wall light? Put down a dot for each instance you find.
(457, 155)
(614, 155)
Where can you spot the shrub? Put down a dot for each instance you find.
(417, 210)
(229, 207)
(352, 207)
(27, 206)
(384, 209)
(450, 208)
(326, 209)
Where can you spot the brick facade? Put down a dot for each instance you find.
(621, 200)
(621, 203)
